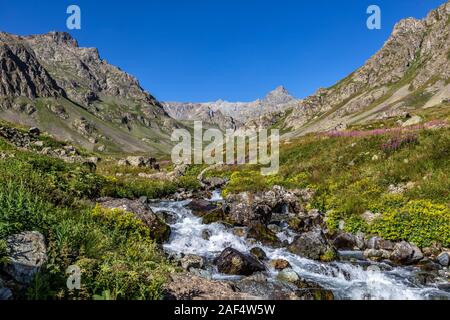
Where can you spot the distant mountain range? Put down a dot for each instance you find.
(50, 82)
(232, 115)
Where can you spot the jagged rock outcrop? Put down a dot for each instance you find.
(21, 73)
(82, 73)
(200, 112)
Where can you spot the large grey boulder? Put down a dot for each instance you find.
(288, 275)
(406, 253)
(444, 259)
(233, 262)
(312, 245)
(345, 241)
(27, 253)
(248, 208)
(380, 244)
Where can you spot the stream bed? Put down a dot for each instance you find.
(346, 279)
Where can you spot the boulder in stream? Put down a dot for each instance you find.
(192, 262)
(313, 245)
(233, 262)
(259, 253)
(248, 208)
(288, 275)
(305, 290)
(406, 253)
(266, 288)
(345, 241)
(280, 264)
(263, 234)
(444, 259)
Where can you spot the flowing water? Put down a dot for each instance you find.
(345, 279)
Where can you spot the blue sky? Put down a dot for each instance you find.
(203, 50)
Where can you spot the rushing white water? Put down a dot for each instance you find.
(346, 280)
(216, 196)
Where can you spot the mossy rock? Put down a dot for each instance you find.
(160, 231)
(216, 216)
(313, 291)
(328, 256)
(263, 234)
(201, 207)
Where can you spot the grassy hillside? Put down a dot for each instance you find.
(400, 174)
(119, 259)
(59, 117)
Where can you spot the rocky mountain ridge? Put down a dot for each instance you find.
(49, 81)
(411, 71)
(232, 115)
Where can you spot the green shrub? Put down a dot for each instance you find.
(21, 210)
(419, 221)
(137, 270)
(120, 220)
(241, 181)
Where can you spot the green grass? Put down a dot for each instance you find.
(349, 180)
(417, 99)
(115, 252)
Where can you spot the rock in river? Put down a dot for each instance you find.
(192, 261)
(280, 264)
(233, 262)
(444, 259)
(312, 245)
(406, 253)
(344, 241)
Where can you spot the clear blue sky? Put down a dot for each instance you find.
(203, 50)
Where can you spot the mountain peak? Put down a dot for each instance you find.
(278, 96)
(58, 37)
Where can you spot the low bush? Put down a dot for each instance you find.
(419, 221)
